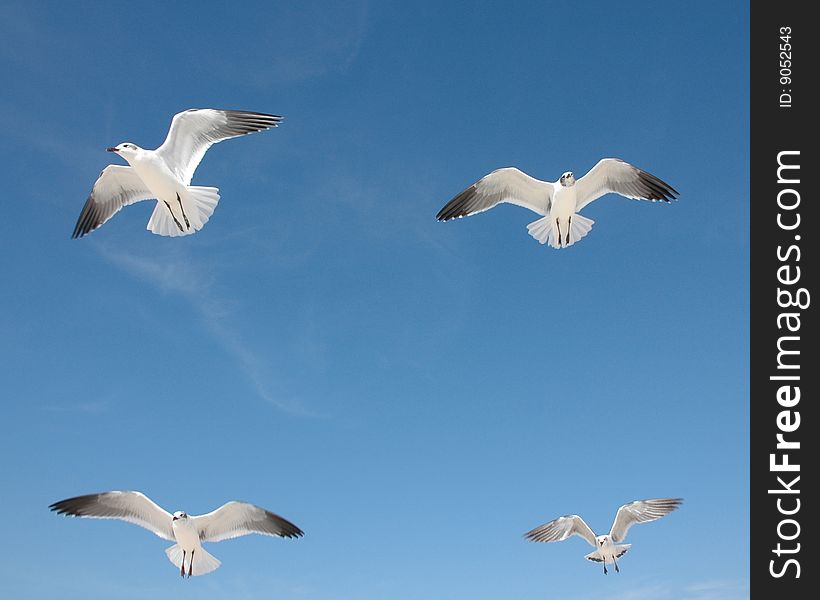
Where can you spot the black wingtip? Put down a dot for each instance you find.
(291, 531)
(59, 507)
(88, 220)
(72, 507)
(659, 189)
(459, 206)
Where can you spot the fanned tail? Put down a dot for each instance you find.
(545, 230)
(197, 206)
(596, 556)
(203, 561)
(579, 227)
(541, 230)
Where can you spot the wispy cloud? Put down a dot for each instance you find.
(16, 27)
(648, 592)
(703, 590)
(320, 39)
(37, 134)
(718, 590)
(180, 277)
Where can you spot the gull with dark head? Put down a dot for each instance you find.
(230, 520)
(559, 202)
(607, 547)
(165, 174)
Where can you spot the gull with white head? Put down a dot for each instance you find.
(165, 174)
(230, 520)
(559, 202)
(607, 547)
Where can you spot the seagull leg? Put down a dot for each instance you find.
(173, 216)
(182, 565)
(605, 571)
(569, 228)
(184, 216)
(558, 224)
(617, 570)
(191, 565)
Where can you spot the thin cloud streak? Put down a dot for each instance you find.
(650, 592)
(703, 590)
(718, 590)
(213, 311)
(321, 40)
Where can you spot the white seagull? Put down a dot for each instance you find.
(165, 173)
(607, 547)
(230, 520)
(559, 201)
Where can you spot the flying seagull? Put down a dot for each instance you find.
(559, 201)
(165, 174)
(607, 547)
(230, 520)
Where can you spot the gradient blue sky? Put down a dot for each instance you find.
(415, 395)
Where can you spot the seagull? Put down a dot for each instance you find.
(607, 547)
(165, 174)
(559, 202)
(230, 520)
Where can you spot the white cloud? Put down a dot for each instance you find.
(703, 590)
(181, 277)
(718, 590)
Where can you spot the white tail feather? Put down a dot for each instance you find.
(579, 227)
(541, 229)
(198, 203)
(545, 230)
(203, 561)
(620, 550)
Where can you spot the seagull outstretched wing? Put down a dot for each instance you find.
(560, 529)
(612, 175)
(502, 185)
(641, 511)
(234, 519)
(193, 131)
(134, 507)
(117, 186)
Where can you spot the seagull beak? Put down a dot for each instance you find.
(110, 149)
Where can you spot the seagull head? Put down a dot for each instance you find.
(601, 539)
(179, 516)
(567, 179)
(126, 150)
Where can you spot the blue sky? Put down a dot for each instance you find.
(414, 395)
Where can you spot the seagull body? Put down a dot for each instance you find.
(560, 201)
(165, 174)
(232, 519)
(607, 547)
